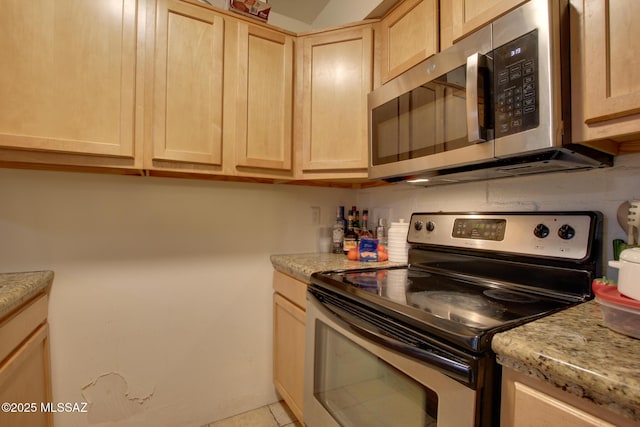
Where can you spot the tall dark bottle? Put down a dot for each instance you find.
(356, 221)
(350, 236)
(364, 228)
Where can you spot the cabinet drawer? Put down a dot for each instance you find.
(292, 289)
(18, 326)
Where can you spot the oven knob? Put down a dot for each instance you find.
(566, 232)
(431, 226)
(418, 225)
(541, 231)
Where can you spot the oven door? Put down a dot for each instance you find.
(353, 380)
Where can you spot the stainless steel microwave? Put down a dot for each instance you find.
(495, 104)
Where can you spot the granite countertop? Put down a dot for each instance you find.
(575, 351)
(17, 288)
(302, 266)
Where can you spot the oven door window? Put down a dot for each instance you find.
(426, 120)
(359, 389)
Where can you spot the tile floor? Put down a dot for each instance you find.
(274, 415)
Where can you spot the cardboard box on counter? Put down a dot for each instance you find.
(253, 8)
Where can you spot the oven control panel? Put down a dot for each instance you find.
(566, 235)
(479, 228)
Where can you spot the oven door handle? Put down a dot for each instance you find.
(436, 358)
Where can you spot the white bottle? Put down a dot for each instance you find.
(397, 245)
(381, 232)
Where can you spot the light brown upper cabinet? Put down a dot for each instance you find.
(336, 74)
(462, 17)
(409, 34)
(264, 98)
(68, 80)
(611, 33)
(188, 88)
(606, 90)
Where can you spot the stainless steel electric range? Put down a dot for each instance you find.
(412, 346)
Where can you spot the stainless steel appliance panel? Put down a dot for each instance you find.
(374, 381)
(429, 325)
(418, 114)
(510, 117)
(544, 18)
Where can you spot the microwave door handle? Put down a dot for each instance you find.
(474, 132)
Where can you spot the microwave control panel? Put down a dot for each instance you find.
(516, 85)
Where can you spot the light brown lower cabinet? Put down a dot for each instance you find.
(289, 304)
(25, 377)
(530, 402)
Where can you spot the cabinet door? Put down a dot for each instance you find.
(529, 402)
(605, 46)
(336, 78)
(533, 408)
(612, 50)
(187, 119)
(24, 378)
(288, 352)
(68, 76)
(469, 15)
(409, 34)
(264, 108)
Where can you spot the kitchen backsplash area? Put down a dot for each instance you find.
(603, 190)
(161, 304)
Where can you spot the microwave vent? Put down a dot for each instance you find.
(557, 160)
(532, 168)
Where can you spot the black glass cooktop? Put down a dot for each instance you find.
(481, 306)
(462, 310)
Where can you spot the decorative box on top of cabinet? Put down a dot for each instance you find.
(409, 34)
(289, 305)
(336, 75)
(605, 89)
(70, 88)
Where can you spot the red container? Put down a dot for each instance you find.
(621, 313)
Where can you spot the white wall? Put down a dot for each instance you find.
(335, 13)
(161, 304)
(160, 311)
(602, 190)
(339, 12)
